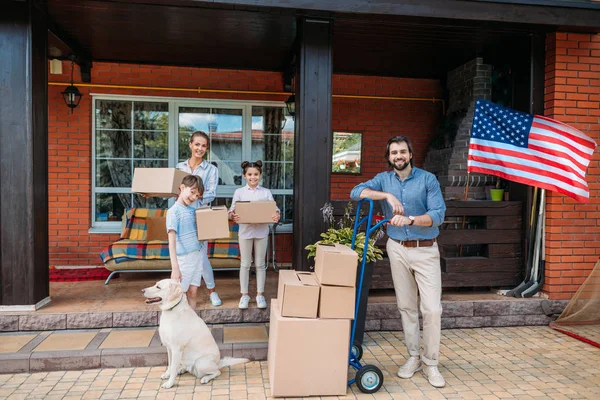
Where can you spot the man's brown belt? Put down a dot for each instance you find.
(416, 243)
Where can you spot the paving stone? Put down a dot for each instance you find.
(485, 308)
(134, 319)
(526, 307)
(382, 311)
(256, 315)
(89, 320)
(251, 351)
(472, 322)
(221, 315)
(42, 322)
(372, 325)
(64, 360)
(9, 323)
(507, 320)
(391, 324)
(457, 309)
(13, 363)
(127, 358)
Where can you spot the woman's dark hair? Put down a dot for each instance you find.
(193, 181)
(248, 164)
(398, 139)
(200, 134)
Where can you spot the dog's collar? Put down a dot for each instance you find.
(180, 300)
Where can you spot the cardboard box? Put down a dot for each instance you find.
(307, 357)
(255, 212)
(336, 265)
(212, 223)
(298, 294)
(337, 302)
(157, 182)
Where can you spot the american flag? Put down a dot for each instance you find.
(530, 149)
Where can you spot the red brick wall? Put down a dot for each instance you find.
(572, 95)
(70, 150)
(378, 120)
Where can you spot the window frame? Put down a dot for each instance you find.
(174, 103)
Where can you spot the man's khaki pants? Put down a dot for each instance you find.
(416, 271)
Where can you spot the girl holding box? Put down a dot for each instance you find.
(252, 236)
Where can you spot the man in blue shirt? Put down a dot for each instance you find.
(411, 198)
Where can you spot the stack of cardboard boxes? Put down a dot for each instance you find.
(309, 336)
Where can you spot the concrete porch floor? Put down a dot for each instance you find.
(93, 305)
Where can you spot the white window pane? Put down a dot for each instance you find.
(111, 206)
(113, 114)
(151, 163)
(230, 173)
(113, 144)
(151, 202)
(286, 207)
(151, 116)
(272, 175)
(288, 175)
(113, 173)
(191, 119)
(151, 144)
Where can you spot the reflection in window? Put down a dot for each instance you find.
(224, 127)
(128, 134)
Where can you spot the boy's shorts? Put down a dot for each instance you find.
(190, 265)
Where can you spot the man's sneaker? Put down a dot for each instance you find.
(433, 376)
(215, 300)
(244, 302)
(409, 368)
(261, 302)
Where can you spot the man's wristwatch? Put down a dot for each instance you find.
(412, 219)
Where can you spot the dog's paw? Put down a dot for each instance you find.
(165, 375)
(205, 379)
(168, 384)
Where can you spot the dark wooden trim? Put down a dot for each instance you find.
(24, 155)
(312, 159)
(560, 16)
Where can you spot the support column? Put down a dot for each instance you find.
(313, 136)
(23, 155)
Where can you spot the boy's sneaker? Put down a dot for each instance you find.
(215, 300)
(244, 302)
(261, 302)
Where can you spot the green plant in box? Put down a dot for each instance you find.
(343, 234)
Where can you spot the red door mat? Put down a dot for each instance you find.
(78, 274)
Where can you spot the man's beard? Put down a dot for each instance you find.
(401, 167)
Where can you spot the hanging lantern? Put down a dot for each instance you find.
(72, 95)
(290, 104)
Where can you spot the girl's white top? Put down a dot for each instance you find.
(246, 193)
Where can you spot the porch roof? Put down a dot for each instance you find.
(389, 38)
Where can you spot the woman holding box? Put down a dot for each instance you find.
(196, 165)
(252, 236)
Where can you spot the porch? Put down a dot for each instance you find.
(47, 175)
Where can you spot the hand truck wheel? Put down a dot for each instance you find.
(357, 350)
(369, 379)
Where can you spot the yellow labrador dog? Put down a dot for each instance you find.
(190, 344)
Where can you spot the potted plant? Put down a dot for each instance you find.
(497, 193)
(340, 232)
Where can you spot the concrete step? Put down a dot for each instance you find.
(36, 351)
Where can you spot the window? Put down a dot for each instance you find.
(130, 132)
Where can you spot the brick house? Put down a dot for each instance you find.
(554, 69)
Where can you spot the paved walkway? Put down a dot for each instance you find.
(489, 363)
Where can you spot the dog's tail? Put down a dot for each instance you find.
(229, 361)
